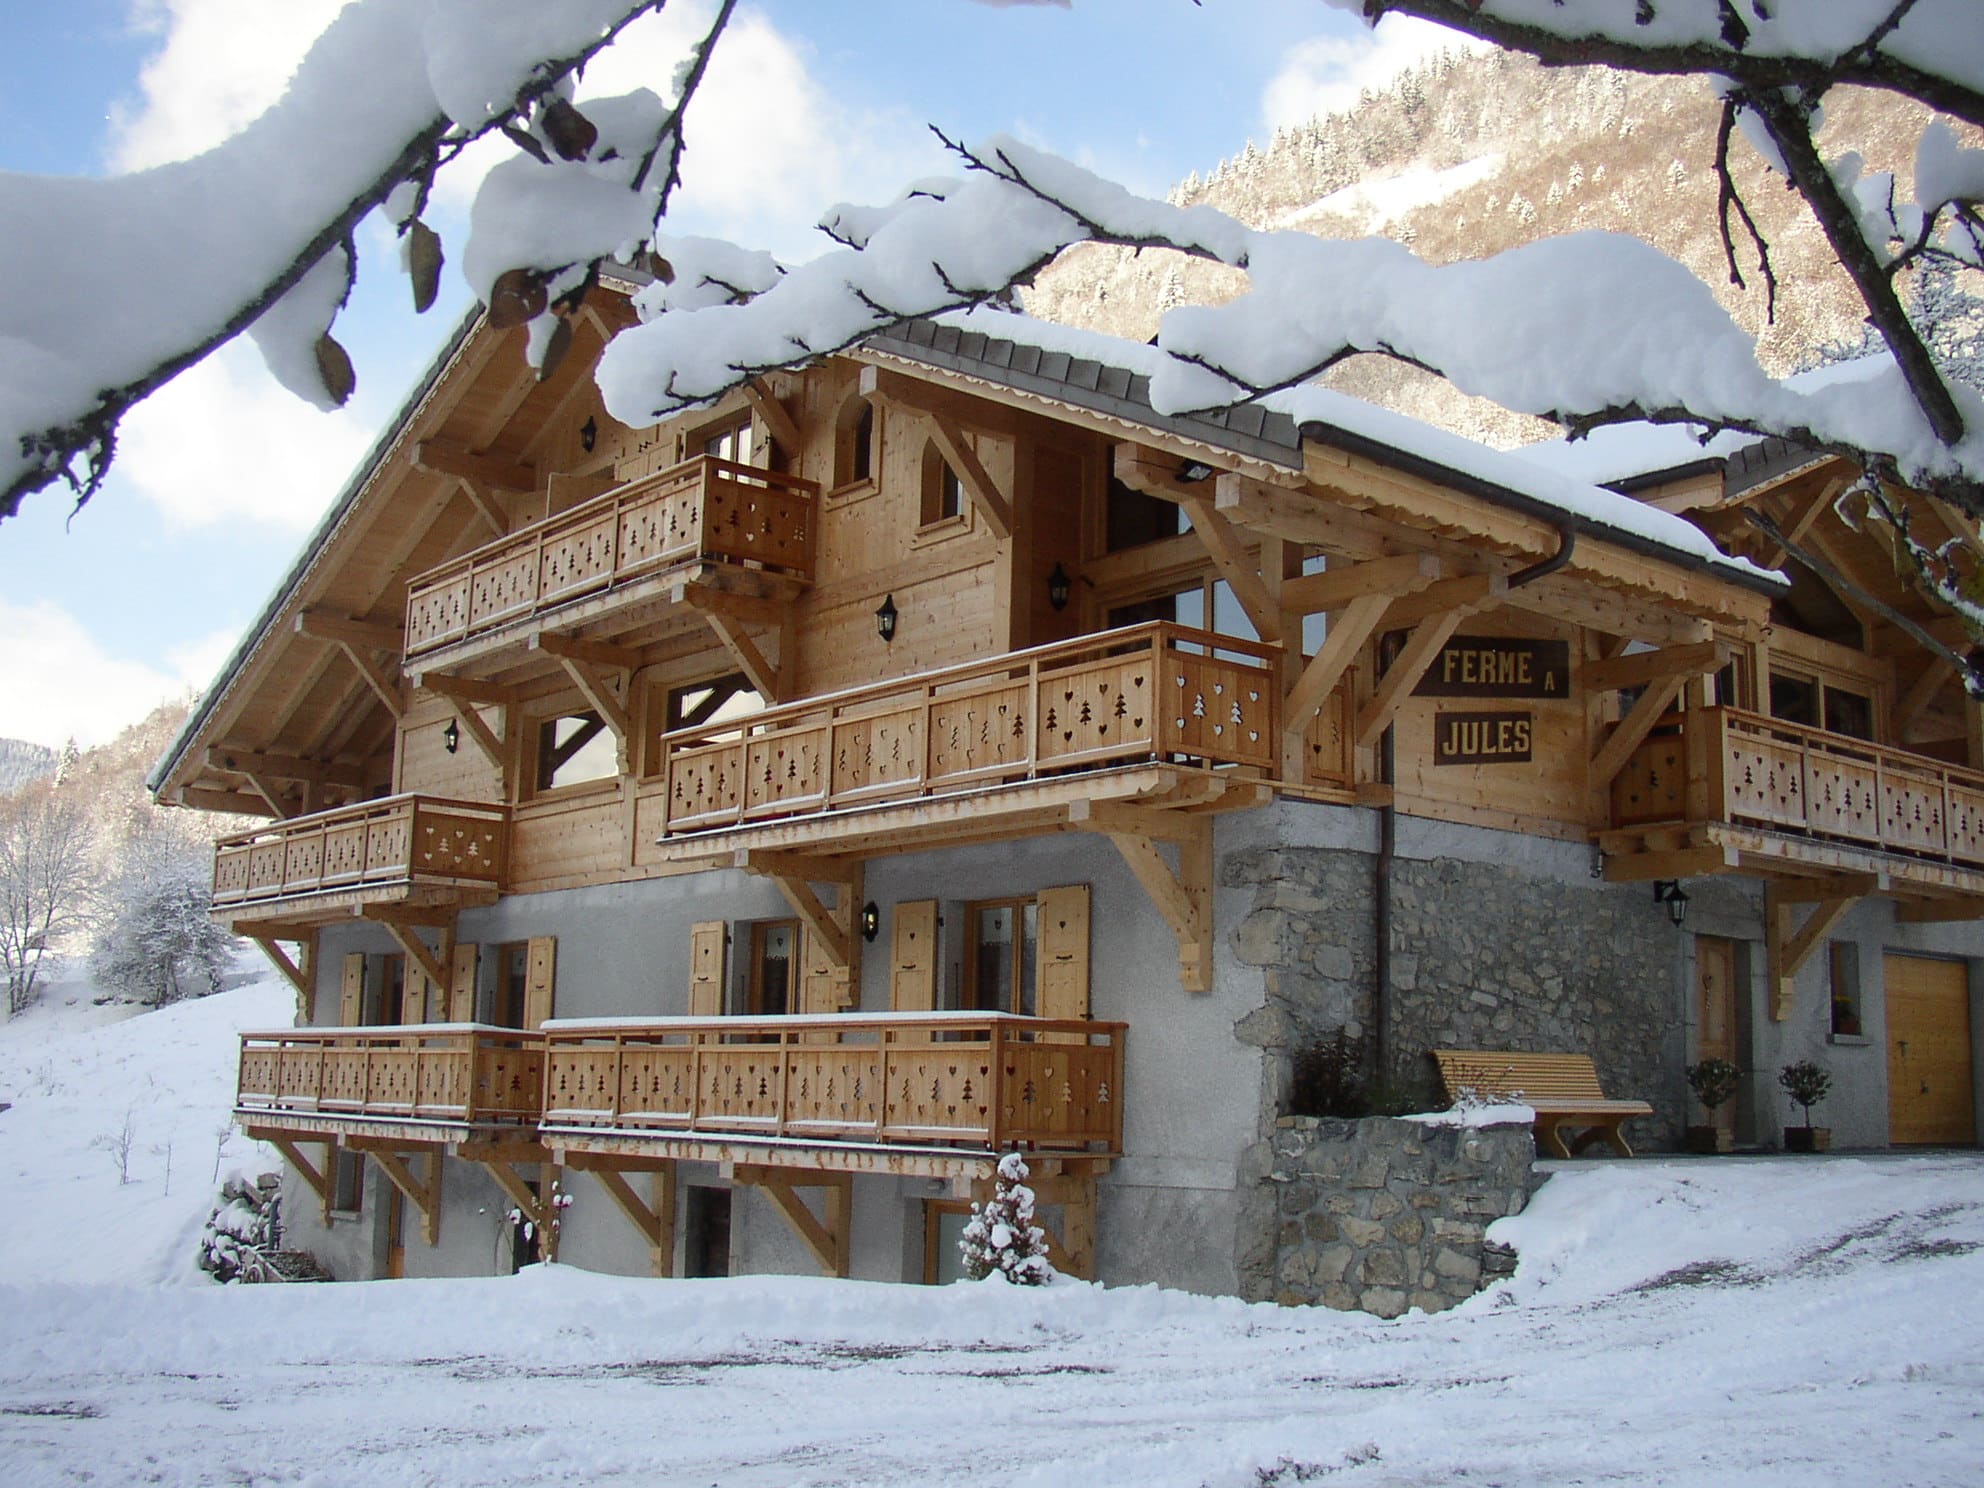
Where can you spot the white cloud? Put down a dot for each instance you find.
(223, 442)
(221, 64)
(1325, 74)
(57, 682)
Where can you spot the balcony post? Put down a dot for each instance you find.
(995, 1129)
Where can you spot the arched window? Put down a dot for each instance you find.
(855, 448)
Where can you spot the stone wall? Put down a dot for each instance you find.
(1482, 957)
(1381, 1215)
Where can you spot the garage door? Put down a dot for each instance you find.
(1930, 1097)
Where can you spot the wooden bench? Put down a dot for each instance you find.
(1562, 1089)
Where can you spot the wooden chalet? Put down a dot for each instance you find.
(820, 794)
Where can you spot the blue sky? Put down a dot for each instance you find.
(220, 478)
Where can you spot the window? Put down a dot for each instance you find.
(855, 449)
(1844, 956)
(512, 973)
(574, 748)
(348, 1182)
(706, 1233)
(774, 963)
(943, 494)
(730, 442)
(1191, 605)
(1816, 702)
(1001, 961)
(943, 1228)
(695, 704)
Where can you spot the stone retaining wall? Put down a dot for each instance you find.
(1383, 1215)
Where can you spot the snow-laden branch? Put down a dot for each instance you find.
(115, 286)
(1587, 329)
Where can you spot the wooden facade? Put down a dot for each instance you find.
(944, 590)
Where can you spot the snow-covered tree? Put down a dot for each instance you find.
(1000, 1238)
(47, 884)
(259, 232)
(157, 940)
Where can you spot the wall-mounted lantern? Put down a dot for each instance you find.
(588, 435)
(451, 736)
(1059, 588)
(885, 619)
(871, 921)
(1668, 891)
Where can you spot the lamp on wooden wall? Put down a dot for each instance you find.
(1059, 588)
(451, 736)
(588, 435)
(885, 619)
(1668, 891)
(871, 921)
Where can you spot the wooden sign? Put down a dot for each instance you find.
(1498, 667)
(1482, 738)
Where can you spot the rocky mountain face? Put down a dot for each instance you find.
(21, 762)
(1465, 157)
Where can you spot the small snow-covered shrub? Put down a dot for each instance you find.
(244, 1231)
(1001, 1238)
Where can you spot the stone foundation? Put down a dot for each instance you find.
(1381, 1215)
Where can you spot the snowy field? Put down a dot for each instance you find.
(1749, 1321)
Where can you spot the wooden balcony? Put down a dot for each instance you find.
(1144, 694)
(609, 554)
(1754, 786)
(423, 1081)
(934, 1094)
(402, 849)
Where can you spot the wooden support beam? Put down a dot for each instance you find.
(1645, 667)
(319, 1180)
(1183, 898)
(1332, 589)
(828, 1239)
(296, 973)
(426, 1197)
(1460, 596)
(447, 457)
(238, 803)
(1829, 889)
(1632, 731)
(1396, 685)
(1154, 822)
(993, 505)
(485, 506)
(1787, 950)
(1345, 641)
(593, 653)
(834, 936)
(765, 677)
(784, 431)
(519, 1191)
(284, 766)
(1236, 564)
(330, 625)
(279, 804)
(1939, 911)
(774, 863)
(464, 689)
(432, 965)
(656, 1220)
(375, 678)
(592, 684)
(482, 736)
(1686, 862)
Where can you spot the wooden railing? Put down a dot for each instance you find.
(1145, 691)
(986, 1081)
(704, 508)
(454, 1072)
(395, 840)
(1785, 776)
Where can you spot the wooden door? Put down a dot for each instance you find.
(1715, 1011)
(913, 964)
(1930, 1091)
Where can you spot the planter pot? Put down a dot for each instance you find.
(1808, 1139)
(1710, 1139)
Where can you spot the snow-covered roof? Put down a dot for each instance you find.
(1112, 376)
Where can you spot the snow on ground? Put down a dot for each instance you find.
(1752, 1321)
(73, 1069)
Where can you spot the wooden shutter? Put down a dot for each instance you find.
(540, 974)
(413, 993)
(706, 944)
(1061, 952)
(351, 995)
(461, 991)
(913, 964)
(823, 986)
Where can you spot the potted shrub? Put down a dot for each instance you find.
(1714, 1082)
(1807, 1083)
